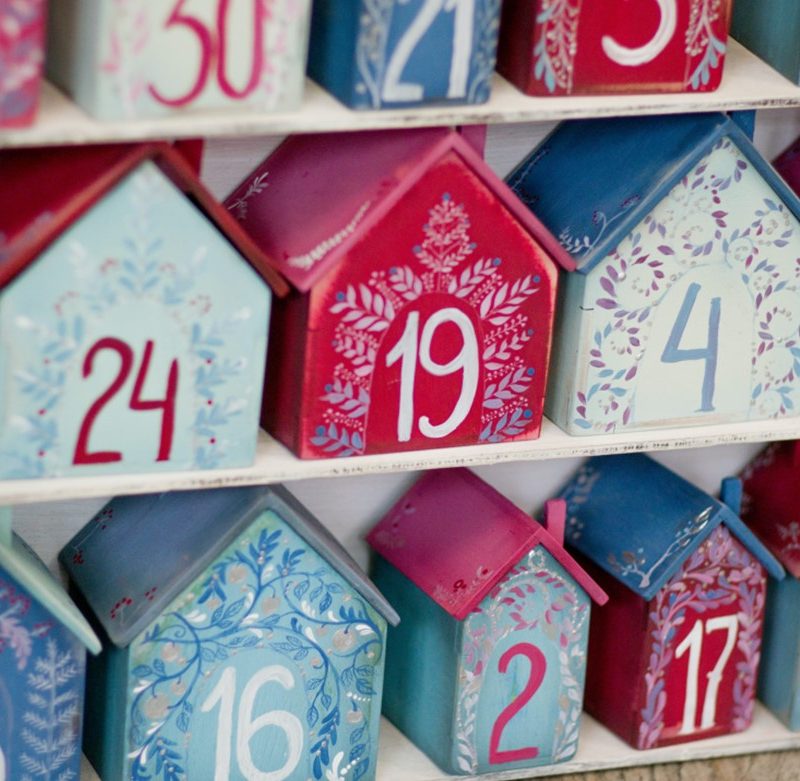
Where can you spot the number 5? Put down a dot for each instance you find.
(640, 55)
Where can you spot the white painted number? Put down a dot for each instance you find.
(225, 694)
(465, 361)
(640, 55)
(397, 91)
(694, 643)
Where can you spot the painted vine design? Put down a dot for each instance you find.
(366, 311)
(556, 43)
(263, 592)
(701, 41)
(21, 58)
(720, 572)
(531, 596)
(674, 239)
(140, 273)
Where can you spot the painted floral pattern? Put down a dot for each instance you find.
(444, 262)
(267, 592)
(720, 572)
(98, 283)
(721, 214)
(21, 59)
(535, 596)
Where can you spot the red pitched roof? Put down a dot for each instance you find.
(455, 537)
(316, 195)
(45, 190)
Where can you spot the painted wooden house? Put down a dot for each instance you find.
(393, 53)
(424, 294)
(43, 644)
(686, 242)
(770, 29)
(770, 508)
(563, 47)
(135, 59)
(246, 640)
(22, 30)
(687, 581)
(487, 665)
(134, 316)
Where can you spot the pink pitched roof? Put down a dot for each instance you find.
(315, 196)
(455, 537)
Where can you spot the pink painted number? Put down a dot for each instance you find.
(213, 45)
(535, 678)
(136, 402)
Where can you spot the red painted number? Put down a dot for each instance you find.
(535, 678)
(214, 48)
(136, 403)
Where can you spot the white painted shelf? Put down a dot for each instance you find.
(748, 83)
(275, 464)
(599, 749)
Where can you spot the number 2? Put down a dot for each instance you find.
(640, 55)
(224, 693)
(673, 353)
(694, 643)
(136, 403)
(394, 90)
(465, 361)
(535, 678)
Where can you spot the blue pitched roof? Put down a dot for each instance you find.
(158, 544)
(592, 181)
(639, 521)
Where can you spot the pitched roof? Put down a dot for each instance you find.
(772, 499)
(640, 521)
(159, 543)
(316, 195)
(597, 179)
(455, 537)
(27, 569)
(45, 190)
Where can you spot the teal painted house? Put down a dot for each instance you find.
(487, 664)
(240, 641)
(770, 29)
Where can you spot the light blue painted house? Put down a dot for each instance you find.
(240, 641)
(134, 314)
(686, 243)
(487, 665)
(389, 53)
(43, 644)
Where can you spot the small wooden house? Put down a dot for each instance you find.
(43, 644)
(686, 580)
(770, 503)
(487, 664)
(563, 47)
(22, 26)
(134, 316)
(122, 60)
(686, 243)
(244, 640)
(394, 53)
(770, 29)
(424, 294)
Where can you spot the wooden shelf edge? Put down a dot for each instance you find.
(748, 83)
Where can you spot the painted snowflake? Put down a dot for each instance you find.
(366, 311)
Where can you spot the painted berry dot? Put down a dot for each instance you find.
(531, 372)
(528, 413)
(446, 197)
(530, 332)
(210, 402)
(334, 342)
(209, 361)
(537, 279)
(417, 249)
(41, 454)
(320, 430)
(340, 296)
(496, 262)
(213, 440)
(42, 411)
(328, 388)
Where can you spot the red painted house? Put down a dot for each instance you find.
(424, 294)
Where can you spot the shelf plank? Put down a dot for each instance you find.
(275, 464)
(599, 749)
(748, 83)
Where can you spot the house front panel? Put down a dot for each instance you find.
(136, 342)
(269, 664)
(434, 330)
(700, 297)
(703, 646)
(521, 671)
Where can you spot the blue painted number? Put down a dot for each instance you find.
(673, 353)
